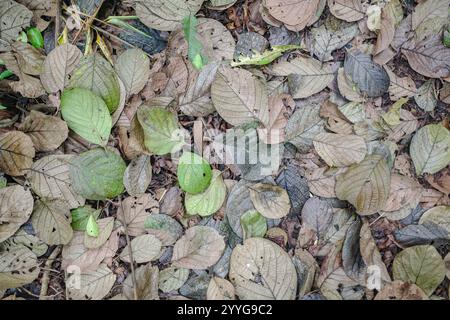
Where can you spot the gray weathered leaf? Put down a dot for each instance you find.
(296, 186)
(144, 248)
(426, 96)
(138, 175)
(13, 18)
(370, 77)
(270, 200)
(133, 68)
(348, 10)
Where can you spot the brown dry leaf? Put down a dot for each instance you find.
(94, 285)
(291, 12)
(260, 269)
(322, 181)
(274, 132)
(16, 153)
(51, 223)
(403, 192)
(339, 150)
(200, 248)
(400, 87)
(171, 203)
(75, 253)
(138, 175)
(220, 289)
(440, 181)
(46, 132)
(399, 290)
(135, 210)
(58, 65)
(16, 205)
(370, 254)
(432, 197)
(144, 248)
(146, 284)
(347, 89)
(428, 57)
(239, 97)
(387, 30)
(270, 200)
(348, 10)
(429, 17)
(49, 178)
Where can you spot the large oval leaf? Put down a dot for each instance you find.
(194, 173)
(365, 185)
(134, 211)
(144, 248)
(96, 74)
(239, 97)
(49, 178)
(162, 132)
(58, 65)
(13, 18)
(261, 270)
(16, 153)
(94, 285)
(270, 200)
(340, 150)
(133, 68)
(87, 115)
(306, 76)
(51, 223)
(97, 174)
(46, 132)
(421, 265)
(209, 201)
(370, 77)
(430, 149)
(200, 248)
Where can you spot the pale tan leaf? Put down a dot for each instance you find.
(399, 290)
(428, 57)
(76, 254)
(270, 200)
(200, 248)
(51, 223)
(46, 132)
(348, 89)
(348, 10)
(138, 175)
(16, 205)
(292, 12)
(220, 289)
(365, 185)
(58, 65)
(94, 285)
(144, 248)
(400, 87)
(146, 284)
(261, 270)
(133, 68)
(172, 278)
(239, 97)
(49, 178)
(18, 266)
(403, 192)
(16, 153)
(306, 76)
(340, 150)
(135, 210)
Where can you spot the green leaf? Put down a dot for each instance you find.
(92, 227)
(195, 47)
(98, 174)
(421, 265)
(87, 115)
(209, 201)
(96, 74)
(35, 37)
(162, 132)
(430, 149)
(81, 215)
(392, 117)
(253, 224)
(194, 173)
(264, 58)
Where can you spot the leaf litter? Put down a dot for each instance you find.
(225, 150)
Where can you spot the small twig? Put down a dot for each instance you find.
(46, 275)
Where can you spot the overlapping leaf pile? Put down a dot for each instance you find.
(351, 200)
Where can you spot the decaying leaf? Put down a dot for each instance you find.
(348, 10)
(146, 284)
(16, 205)
(220, 289)
(365, 185)
(271, 201)
(144, 248)
(94, 285)
(18, 266)
(133, 68)
(260, 269)
(138, 175)
(16, 153)
(200, 248)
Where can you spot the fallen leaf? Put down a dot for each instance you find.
(270, 200)
(144, 248)
(16, 153)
